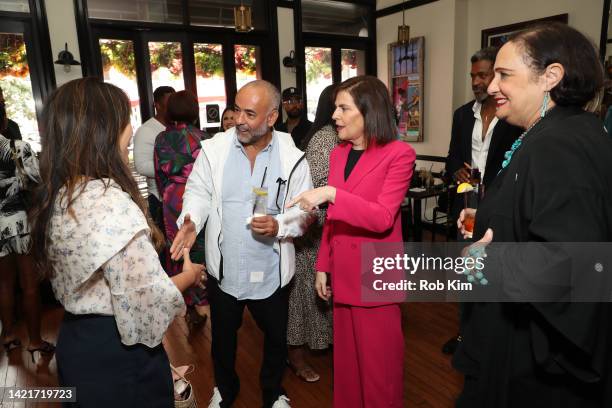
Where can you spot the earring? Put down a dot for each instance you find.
(544, 104)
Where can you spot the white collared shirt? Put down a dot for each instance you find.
(480, 148)
(144, 146)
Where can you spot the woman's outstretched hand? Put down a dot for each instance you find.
(311, 199)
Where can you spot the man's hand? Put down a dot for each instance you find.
(266, 225)
(323, 290)
(185, 238)
(463, 174)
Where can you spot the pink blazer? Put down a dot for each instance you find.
(366, 209)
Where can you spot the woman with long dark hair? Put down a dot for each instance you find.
(91, 233)
(310, 320)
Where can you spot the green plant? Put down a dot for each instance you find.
(13, 58)
(318, 64)
(120, 55)
(245, 59)
(208, 60)
(18, 95)
(167, 55)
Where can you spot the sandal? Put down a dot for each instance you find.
(306, 373)
(12, 345)
(46, 348)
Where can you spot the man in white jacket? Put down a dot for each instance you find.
(250, 260)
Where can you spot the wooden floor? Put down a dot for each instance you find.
(429, 379)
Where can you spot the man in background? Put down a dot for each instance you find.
(297, 123)
(478, 139)
(144, 143)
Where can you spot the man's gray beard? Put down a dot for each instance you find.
(481, 99)
(256, 134)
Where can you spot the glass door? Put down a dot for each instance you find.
(328, 63)
(18, 80)
(119, 68)
(210, 84)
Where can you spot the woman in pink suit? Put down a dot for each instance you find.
(369, 175)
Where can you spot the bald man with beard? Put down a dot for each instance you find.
(248, 265)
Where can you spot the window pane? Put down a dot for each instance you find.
(353, 63)
(220, 13)
(334, 17)
(318, 76)
(20, 6)
(210, 83)
(119, 69)
(17, 87)
(166, 61)
(158, 11)
(248, 66)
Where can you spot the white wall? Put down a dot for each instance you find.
(286, 43)
(62, 29)
(584, 15)
(436, 22)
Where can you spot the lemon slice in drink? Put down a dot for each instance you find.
(464, 188)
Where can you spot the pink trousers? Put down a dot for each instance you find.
(368, 357)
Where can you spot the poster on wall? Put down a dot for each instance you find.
(406, 85)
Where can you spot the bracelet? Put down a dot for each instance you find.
(476, 274)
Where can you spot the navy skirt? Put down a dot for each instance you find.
(107, 373)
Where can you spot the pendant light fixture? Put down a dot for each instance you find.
(403, 31)
(242, 18)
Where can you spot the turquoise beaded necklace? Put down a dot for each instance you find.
(517, 143)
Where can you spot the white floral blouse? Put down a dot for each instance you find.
(104, 263)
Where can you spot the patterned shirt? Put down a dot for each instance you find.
(104, 263)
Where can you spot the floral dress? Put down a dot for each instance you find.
(310, 318)
(176, 150)
(14, 229)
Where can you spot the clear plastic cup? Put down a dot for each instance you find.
(260, 201)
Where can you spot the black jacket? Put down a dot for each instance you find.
(460, 149)
(299, 132)
(557, 188)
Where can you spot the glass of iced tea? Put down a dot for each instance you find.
(470, 200)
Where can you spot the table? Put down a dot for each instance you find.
(416, 197)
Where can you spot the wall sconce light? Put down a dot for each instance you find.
(66, 59)
(403, 31)
(289, 61)
(242, 18)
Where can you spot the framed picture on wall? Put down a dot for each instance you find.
(497, 36)
(406, 67)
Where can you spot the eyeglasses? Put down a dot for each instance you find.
(291, 101)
